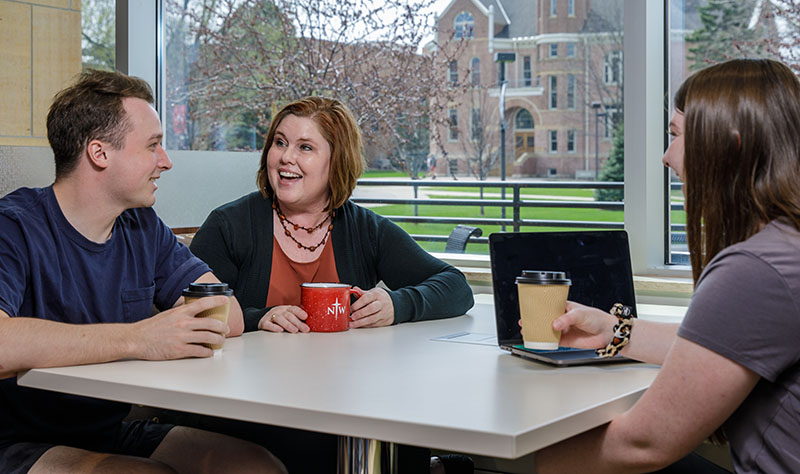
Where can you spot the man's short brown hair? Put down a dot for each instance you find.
(91, 109)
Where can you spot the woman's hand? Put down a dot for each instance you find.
(585, 327)
(284, 318)
(373, 309)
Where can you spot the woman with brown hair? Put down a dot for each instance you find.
(300, 227)
(731, 368)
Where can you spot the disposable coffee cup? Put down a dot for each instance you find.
(202, 290)
(542, 299)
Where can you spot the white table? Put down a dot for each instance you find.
(393, 384)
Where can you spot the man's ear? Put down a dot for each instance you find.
(96, 150)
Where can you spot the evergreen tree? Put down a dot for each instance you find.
(614, 168)
(724, 33)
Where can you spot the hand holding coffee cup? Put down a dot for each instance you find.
(542, 299)
(327, 305)
(196, 291)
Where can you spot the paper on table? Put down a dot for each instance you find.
(469, 338)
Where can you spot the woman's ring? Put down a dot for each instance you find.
(272, 318)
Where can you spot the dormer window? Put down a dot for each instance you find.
(464, 25)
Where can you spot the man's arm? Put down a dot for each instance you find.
(27, 343)
(235, 317)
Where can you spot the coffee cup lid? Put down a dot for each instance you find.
(541, 277)
(199, 290)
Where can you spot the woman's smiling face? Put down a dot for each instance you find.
(298, 162)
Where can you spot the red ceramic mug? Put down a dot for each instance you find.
(327, 305)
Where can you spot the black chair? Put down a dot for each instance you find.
(457, 241)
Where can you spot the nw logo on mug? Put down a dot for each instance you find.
(336, 309)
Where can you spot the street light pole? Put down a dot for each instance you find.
(597, 114)
(501, 59)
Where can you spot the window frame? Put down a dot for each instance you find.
(553, 51)
(527, 71)
(475, 130)
(571, 85)
(452, 129)
(646, 180)
(475, 71)
(553, 8)
(571, 49)
(570, 8)
(464, 28)
(571, 141)
(452, 72)
(552, 142)
(613, 68)
(552, 93)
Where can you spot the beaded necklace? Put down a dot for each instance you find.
(284, 220)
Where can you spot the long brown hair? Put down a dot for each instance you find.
(340, 130)
(742, 153)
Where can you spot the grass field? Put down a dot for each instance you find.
(441, 192)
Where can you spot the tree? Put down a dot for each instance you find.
(725, 33)
(254, 56)
(481, 144)
(97, 34)
(614, 168)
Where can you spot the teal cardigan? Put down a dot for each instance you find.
(236, 242)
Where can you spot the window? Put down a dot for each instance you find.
(570, 50)
(553, 141)
(453, 72)
(476, 128)
(571, 141)
(524, 120)
(526, 71)
(611, 119)
(612, 68)
(98, 34)
(571, 7)
(464, 25)
(553, 92)
(553, 7)
(453, 131)
(553, 50)
(570, 91)
(475, 69)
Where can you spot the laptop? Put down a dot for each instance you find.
(597, 262)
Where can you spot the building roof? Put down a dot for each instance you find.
(522, 14)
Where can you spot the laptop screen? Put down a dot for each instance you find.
(597, 262)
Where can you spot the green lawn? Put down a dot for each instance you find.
(433, 210)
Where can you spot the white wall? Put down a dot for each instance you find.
(197, 183)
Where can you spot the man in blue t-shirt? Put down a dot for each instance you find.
(82, 262)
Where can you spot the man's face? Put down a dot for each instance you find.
(138, 164)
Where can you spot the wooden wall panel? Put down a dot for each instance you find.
(15, 69)
(56, 58)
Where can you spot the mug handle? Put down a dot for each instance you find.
(356, 291)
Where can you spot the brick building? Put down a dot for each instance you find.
(565, 78)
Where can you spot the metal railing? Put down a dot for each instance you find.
(515, 204)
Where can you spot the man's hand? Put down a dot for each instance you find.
(177, 333)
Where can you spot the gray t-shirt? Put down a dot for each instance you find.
(746, 307)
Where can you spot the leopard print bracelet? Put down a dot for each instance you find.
(622, 330)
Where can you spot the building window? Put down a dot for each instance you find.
(453, 73)
(612, 68)
(612, 116)
(570, 50)
(571, 7)
(571, 91)
(475, 69)
(553, 92)
(553, 141)
(553, 50)
(571, 141)
(464, 25)
(526, 71)
(453, 132)
(476, 128)
(553, 7)
(524, 120)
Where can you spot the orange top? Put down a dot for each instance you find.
(287, 275)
